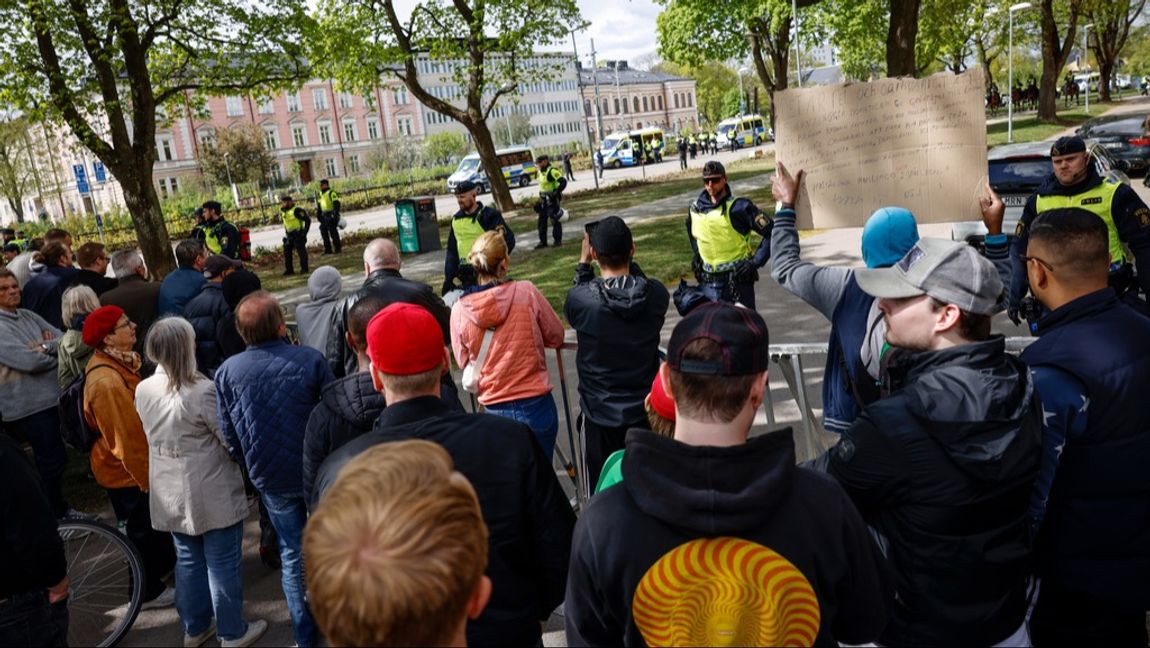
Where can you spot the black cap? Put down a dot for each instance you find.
(214, 206)
(284, 197)
(1068, 145)
(198, 212)
(11, 247)
(713, 169)
(740, 332)
(612, 237)
(464, 187)
(7, 230)
(542, 158)
(324, 181)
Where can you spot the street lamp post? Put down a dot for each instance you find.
(1086, 62)
(1010, 69)
(798, 50)
(742, 95)
(235, 194)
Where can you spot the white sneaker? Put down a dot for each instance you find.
(195, 641)
(167, 598)
(256, 629)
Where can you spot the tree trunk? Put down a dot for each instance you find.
(777, 52)
(1105, 73)
(901, 37)
(147, 217)
(485, 146)
(1055, 51)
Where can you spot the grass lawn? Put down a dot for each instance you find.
(1029, 129)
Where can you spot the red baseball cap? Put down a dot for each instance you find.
(661, 401)
(99, 324)
(403, 340)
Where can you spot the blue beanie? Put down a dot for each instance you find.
(888, 235)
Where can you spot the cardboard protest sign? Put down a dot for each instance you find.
(913, 143)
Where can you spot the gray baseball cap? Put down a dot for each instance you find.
(950, 271)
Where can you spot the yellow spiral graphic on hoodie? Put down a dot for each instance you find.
(725, 592)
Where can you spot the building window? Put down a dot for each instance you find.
(645, 109)
(319, 98)
(404, 124)
(660, 102)
(353, 164)
(168, 187)
(606, 107)
(349, 131)
(399, 95)
(676, 100)
(277, 172)
(299, 136)
(372, 129)
(329, 166)
(345, 100)
(690, 100)
(293, 102)
(268, 107)
(324, 133)
(587, 107)
(271, 138)
(164, 148)
(616, 106)
(207, 138)
(235, 106)
(635, 104)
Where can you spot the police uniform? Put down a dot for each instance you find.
(1127, 218)
(465, 229)
(725, 263)
(551, 186)
(296, 225)
(221, 237)
(327, 204)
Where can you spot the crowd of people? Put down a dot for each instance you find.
(973, 497)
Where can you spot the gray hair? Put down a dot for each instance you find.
(381, 253)
(78, 300)
(171, 344)
(127, 262)
(187, 251)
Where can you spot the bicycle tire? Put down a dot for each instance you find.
(106, 587)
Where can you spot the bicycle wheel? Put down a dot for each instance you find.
(107, 583)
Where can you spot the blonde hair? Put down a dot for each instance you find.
(395, 549)
(488, 253)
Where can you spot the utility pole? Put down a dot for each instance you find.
(618, 114)
(578, 74)
(598, 102)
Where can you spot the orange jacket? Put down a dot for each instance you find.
(525, 326)
(120, 455)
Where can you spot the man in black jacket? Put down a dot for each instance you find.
(469, 223)
(618, 319)
(528, 518)
(381, 264)
(207, 309)
(943, 468)
(1091, 366)
(93, 260)
(349, 406)
(711, 534)
(33, 569)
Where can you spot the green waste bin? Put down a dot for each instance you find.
(418, 224)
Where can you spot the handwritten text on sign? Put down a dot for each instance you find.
(914, 143)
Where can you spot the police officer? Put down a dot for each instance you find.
(469, 223)
(693, 145)
(21, 240)
(7, 235)
(296, 226)
(327, 213)
(218, 234)
(720, 226)
(657, 146)
(551, 186)
(198, 228)
(682, 153)
(1076, 182)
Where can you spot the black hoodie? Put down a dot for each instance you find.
(618, 322)
(943, 470)
(740, 534)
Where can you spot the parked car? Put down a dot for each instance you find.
(1124, 136)
(1016, 171)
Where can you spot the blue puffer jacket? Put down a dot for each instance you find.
(265, 396)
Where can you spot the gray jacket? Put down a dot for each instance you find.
(27, 372)
(195, 485)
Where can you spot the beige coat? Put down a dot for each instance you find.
(196, 486)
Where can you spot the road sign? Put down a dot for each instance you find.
(81, 174)
(100, 172)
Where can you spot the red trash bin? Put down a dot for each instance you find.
(245, 244)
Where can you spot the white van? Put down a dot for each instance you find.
(518, 168)
(620, 148)
(746, 130)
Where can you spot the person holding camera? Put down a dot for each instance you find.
(469, 223)
(618, 317)
(719, 226)
(551, 186)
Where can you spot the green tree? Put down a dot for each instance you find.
(443, 148)
(15, 170)
(1112, 23)
(713, 82)
(104, 67)
(240, 151)
(486, 48)
(512, 129)
(1056, 47)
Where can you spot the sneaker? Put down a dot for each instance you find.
(195, 641)
(73, 514)
(166, 599)
(256, 629)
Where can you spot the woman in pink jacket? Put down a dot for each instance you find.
(513, 380)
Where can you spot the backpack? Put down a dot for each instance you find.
(74, 427)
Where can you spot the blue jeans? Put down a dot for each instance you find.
(288, 514)
(539, 413)
(209, 579)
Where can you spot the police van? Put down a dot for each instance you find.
(518, 164)
(746, 130)
(621, 148)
